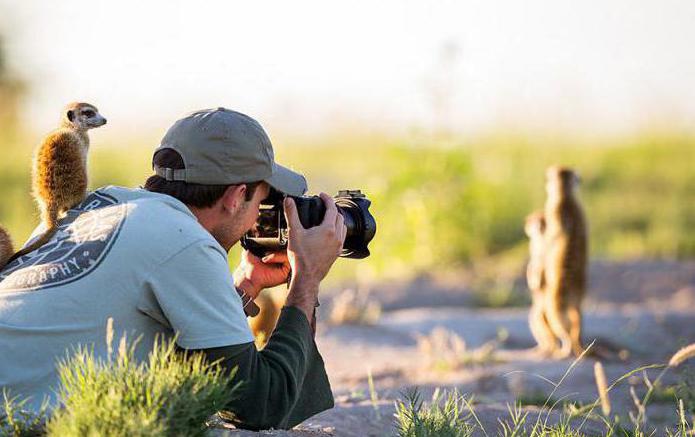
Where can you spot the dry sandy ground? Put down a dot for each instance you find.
(646, 309)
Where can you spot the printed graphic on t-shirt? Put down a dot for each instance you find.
(83, 239)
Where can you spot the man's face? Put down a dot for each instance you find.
(234, 225)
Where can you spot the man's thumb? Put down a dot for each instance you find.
(291, 214)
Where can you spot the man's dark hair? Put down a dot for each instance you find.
(197, 195)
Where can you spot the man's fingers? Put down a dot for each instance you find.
(275, 258)
(343, 232)
(291, 215)
(340, 227)
(331, 209)
(339, 220)
(249, 258)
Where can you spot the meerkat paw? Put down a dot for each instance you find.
(543, 351)
(562, 353)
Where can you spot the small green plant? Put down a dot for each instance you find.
(499, 296)
(169, 394)
(571, 420)
(665, 394)
(444, 350)
(355, 308)
(495, 283)
(17, 422)
(449, 414)
(536, 398)
(518, 425)
(685, 389)
(373, 395)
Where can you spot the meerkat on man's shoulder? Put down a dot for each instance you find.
(59, 178)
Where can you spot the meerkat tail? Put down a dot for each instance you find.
(45, 238)
(6, 247)
(50, 219)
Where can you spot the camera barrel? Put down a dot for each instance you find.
(360, 223)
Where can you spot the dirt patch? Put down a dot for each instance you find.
(637, 313)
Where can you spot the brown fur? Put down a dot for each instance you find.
(267, 318)
(535, 277)
(565, 259)
(60, 169)
(6, 247)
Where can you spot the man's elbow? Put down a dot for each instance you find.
(272, 410)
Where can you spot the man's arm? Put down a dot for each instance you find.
(273, 393)
(286, 382)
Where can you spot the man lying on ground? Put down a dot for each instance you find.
(155, 260)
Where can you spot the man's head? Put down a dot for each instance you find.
(220, 163)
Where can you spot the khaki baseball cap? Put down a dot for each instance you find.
(224, 147)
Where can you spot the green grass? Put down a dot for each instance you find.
(444, 416)
(169, 394)
(15, 421)
(451, 414)
(445, 207)
(536, 398)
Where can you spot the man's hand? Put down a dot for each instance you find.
(254, 274)
(311, 252)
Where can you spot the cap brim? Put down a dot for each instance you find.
(286, 181)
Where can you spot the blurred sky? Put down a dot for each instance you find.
(307, 66)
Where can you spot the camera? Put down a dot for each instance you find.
(270, 232)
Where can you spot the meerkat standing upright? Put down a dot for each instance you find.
(60, 168)
(535, 277)
(565, 259)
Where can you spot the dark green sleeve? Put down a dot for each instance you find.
(285, 383)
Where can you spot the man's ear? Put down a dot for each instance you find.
(233, 197)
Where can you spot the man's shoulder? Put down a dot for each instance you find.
(159, 221)
(141, 195)
(142, 199)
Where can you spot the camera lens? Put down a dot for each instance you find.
(270, 231)
(360, 223)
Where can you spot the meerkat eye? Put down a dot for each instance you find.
(88, 113)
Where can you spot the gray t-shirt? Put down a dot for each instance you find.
(141, 258)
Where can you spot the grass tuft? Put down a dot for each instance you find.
(444, 350)
(17, 422)
(355, 308)
(447, 415)
(169, 394)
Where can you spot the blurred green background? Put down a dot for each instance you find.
(450, 205)
(443, 200)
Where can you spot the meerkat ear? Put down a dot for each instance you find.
(71, 115)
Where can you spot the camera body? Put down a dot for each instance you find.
(270, 232)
